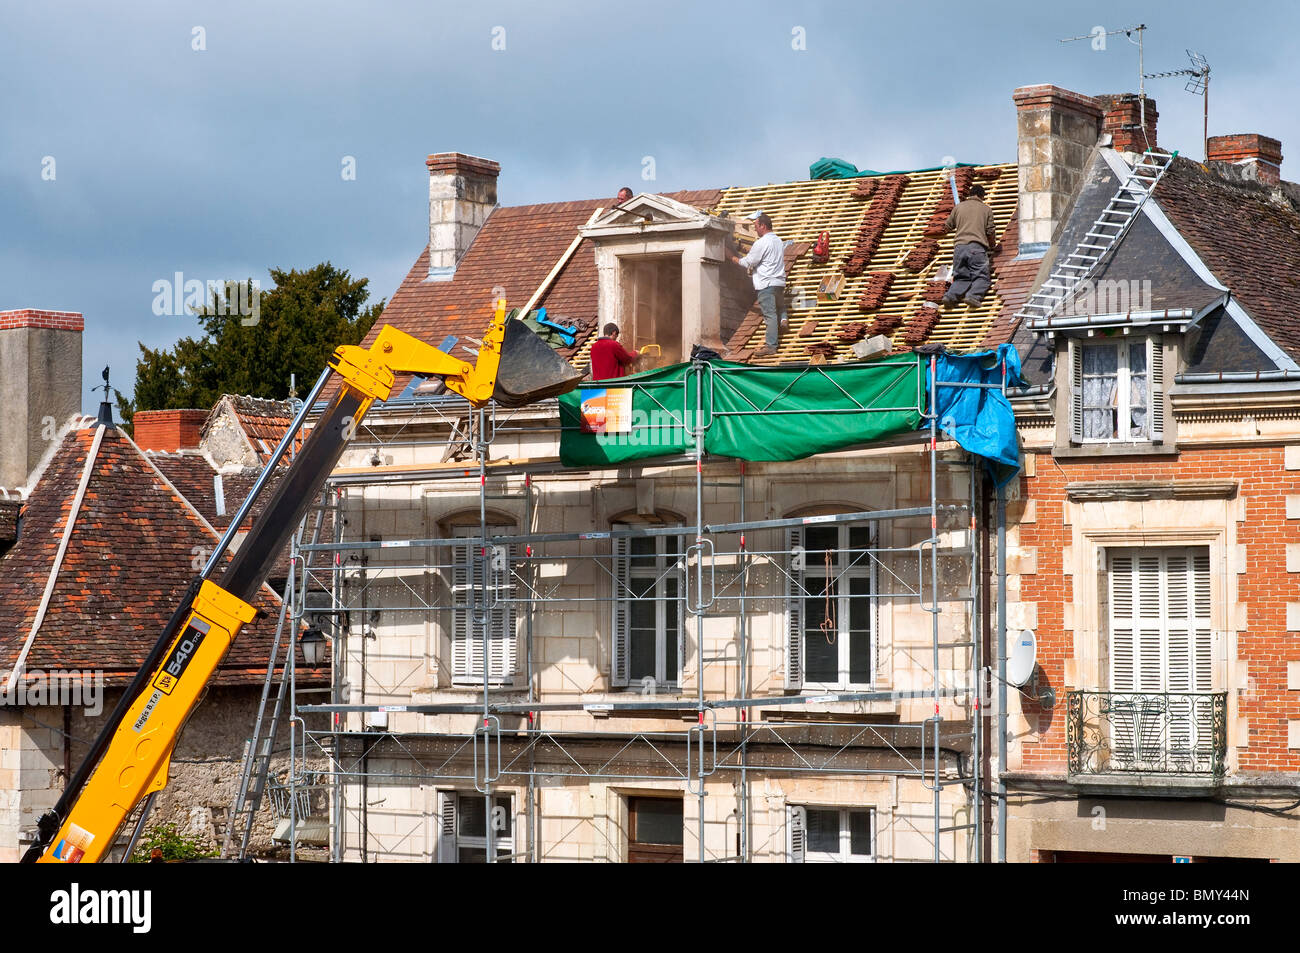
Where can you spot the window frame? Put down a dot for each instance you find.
(798, 593)
(450, 841)
(461, 581)
(797, 835)
(624, 572)
(1156, 390)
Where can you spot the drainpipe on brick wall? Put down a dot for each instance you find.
(1002, 674)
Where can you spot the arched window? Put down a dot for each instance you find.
(649, 609)
(831, 606)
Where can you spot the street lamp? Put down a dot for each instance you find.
(313, 646)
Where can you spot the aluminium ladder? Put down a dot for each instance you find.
(1101, 238)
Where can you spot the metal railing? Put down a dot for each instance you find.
(1147, 732)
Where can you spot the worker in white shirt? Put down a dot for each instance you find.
(766, 264)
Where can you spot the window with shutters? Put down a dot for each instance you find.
(482, 583)
(1117, 390)
(1161, 656)
(830, 607)
(464, 825)
(830, 835)
(649, 612)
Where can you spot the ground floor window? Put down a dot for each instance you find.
(832, 835)
(654, 826)
(464, 825)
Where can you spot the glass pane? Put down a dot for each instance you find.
(823, 831)
(641, 546)
(819, 538)
(859, 539)
(860, 832)
(673, 626)
(1138, 392)
(820, 647)
(471, 855)
(860, 631)
(656, 820)
(641, 651)
(501, 818)
(1100, 396)
(469, 816)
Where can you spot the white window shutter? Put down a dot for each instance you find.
(796, 826)
(1150, 625)
(501, 617)
(621, 611)
(462, 598)
(1122, 649)
(1156, 389)
(446, 827)
(794, 589)
(1076, 391)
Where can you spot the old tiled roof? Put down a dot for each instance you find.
(193, 476)
(263, 421)
(514, 251)
(1248, 240)
(886, 238)
(134, 547)
(892, 219)
(9, 521)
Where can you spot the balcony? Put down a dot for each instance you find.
(1129, 733)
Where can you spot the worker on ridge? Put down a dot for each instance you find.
(608, 357)
(974, 234)
(766, 264)
(624, 195)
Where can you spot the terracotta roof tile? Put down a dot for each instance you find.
(135, 546)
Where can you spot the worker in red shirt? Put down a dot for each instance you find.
(608, 357)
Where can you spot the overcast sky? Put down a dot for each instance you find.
(127, 154)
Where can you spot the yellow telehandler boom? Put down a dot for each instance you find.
(129, 759)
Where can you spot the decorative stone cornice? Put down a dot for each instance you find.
(1097, 490)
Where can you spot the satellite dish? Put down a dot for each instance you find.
(1023, 658)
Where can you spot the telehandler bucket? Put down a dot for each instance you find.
(530, 370)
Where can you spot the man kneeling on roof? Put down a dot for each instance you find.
(974, 234)
(766, 262)
(608, 357)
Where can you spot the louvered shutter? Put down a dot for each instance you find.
(446, 827)
(1178, 646)
(796, 833)
(1156, 389)
(1123, 659)
(794, 588)
(501, 616)
(462, 598)
(1202, 661)
(620, 620)
(1076, 391)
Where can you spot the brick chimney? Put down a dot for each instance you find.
(1260, 156)
(40, 385)
(168, 430)
(462, 194)
(1123, 120)
(1056, 131)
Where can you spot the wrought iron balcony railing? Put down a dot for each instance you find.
(1147, 732)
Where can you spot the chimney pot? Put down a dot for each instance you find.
(40, 384)
(168, 430)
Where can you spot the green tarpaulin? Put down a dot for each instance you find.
(750, 413)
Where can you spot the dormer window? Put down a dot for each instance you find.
(1116, 390)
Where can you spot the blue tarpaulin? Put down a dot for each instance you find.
(980, 419)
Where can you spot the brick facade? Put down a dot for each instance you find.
(37, 318)
(1263, 644)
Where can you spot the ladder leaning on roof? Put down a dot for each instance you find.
(1104, 234)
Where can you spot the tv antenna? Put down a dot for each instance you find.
(1198, 83)
(1129, 33)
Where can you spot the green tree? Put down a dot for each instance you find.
(251, 344)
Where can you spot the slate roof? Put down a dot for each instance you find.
(130, 556)
(1248, 235)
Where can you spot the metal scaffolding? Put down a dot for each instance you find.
(340, 577)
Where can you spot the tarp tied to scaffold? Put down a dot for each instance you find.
(747, 412)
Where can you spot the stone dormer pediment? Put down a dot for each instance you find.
(648, 214)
